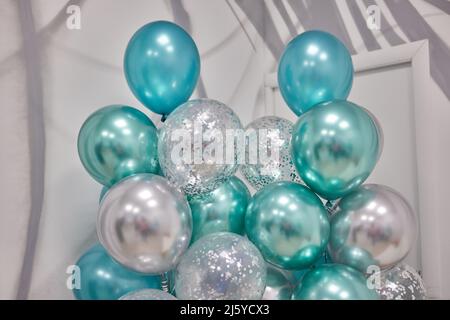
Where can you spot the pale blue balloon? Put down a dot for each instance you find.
(101, 278)
(315, 67)
(162, 66)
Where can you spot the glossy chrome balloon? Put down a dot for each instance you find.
(145, 223)
(193, 146)
(315, 67)
(101, 278)
(162, 66)
(401, 282)
(374, 225)
(148, 294)
(334, 282)
(280, 168)
(220, 210)
(288, 224)
(335, 148)
(221, 266)
(116, 142)
(278, 285)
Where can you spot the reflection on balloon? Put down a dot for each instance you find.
(220, 210)
(101, 278)
(145, 223)
(116, 142)
(334, 282)
(191, 146)
(148, 294)
(288, 224)
(162, 66)
(335, 148)
(278, 166)
(401, 282)
(221, 266)
(315, 67)
(374, 225)
(278, 285)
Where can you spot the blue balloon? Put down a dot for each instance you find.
(162, 66)
(101, 278)
(315, 67)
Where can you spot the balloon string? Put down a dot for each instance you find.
(164, 282)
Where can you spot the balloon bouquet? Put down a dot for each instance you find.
(191, 229)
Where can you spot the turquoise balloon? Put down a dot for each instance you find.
(102, 193)
(315, 67)
(334, 282)
(162, 66)
(116, 142)
(222, 210)
(288, 224)
(101, 278)
(323, 259)
(335, 147)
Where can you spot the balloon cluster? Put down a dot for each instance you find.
(173, 217)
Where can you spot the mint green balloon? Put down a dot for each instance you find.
(102, 278)
(334, 282)
(335, 147)
(162, 66)
(288, 224)
(222, 210)
(116, 142)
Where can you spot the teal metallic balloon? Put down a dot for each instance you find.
(315, 67)
(335, 147)
(334, 282)
(116, 142)
(220, 210)
(278, 285)
(162, 66)
(288, 224)
(102, 193)
(323, 259)
(101, 278)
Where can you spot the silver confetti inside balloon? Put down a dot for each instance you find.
(145, 223)
(373, 225)
(148, 294)
(221, 266)
(193, 149)
(274, 132)
(401, 282)
(278, 285)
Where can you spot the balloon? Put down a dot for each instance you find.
(334, 282)
(315, 67)
(374, 225)
(221, 210)
(278, 285)
(116, 142)
(191, 146)
(102, 193)
(288, 224)
(162, 66)
(145, 223)
(401, 283)
(335, 147)
(323, 259)
(148, 294)
(101, 278)
(280, 167)
(221, 266)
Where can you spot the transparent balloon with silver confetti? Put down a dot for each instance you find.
(273, 162)
(148, 294)
(401, 282)
(221, 266)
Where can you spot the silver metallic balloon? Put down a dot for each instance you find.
(221, 266)
(401, 282)
(148, 294)
(373, 225)
(278, 285)
(145, 223)
(193, 145)
(276, 168)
